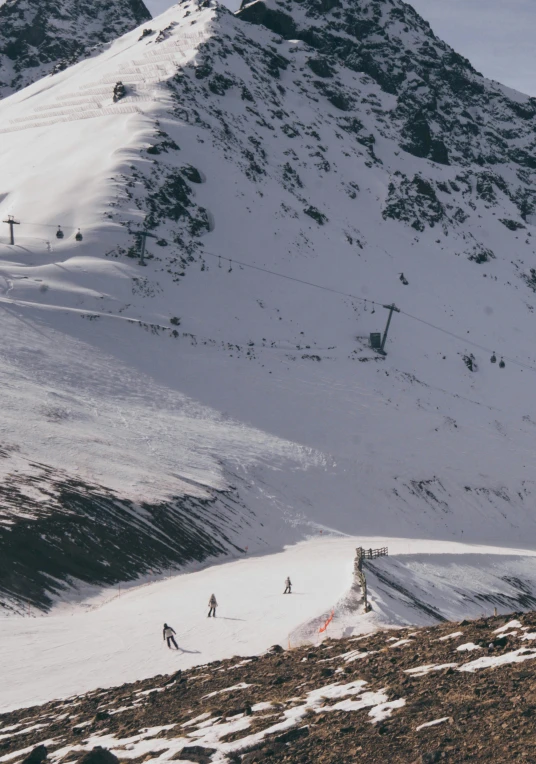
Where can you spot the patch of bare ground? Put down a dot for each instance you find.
(407, 696)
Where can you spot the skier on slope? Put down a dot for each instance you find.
(212, 605)
(168, 634)
(288, 586)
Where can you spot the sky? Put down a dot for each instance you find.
(497, 36)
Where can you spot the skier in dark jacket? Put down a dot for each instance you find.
(288, 586)
(168, 634)
(212, 605)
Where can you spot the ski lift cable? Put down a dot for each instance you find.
(50, 225)
(372, 302)
(292, 278)
(332, 290)
(121, 231)
(237, 262)
(466, 341)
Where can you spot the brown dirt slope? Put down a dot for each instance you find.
(311, 704)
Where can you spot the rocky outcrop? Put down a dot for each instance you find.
(446, 110)
(40, 37)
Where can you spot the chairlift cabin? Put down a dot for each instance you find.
(78, 236)
(493, 358)
(59, 233)
(501, 364)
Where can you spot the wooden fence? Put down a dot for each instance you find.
(366, 554)
(371, 554)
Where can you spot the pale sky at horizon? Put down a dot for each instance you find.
(497, 36)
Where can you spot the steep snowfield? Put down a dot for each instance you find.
(200, 377)
(114, 636)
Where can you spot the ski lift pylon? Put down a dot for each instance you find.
(59, 233)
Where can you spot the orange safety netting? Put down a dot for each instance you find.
(325, 626)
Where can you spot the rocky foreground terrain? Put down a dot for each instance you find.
(454, 692)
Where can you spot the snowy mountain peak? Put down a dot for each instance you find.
(38, 37)
(288, 182)
(447, 112)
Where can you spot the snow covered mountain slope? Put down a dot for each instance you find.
(357, 150)
(39, 37)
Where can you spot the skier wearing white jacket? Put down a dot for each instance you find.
(212, 605)
(168, 634)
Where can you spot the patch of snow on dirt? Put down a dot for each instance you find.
(432, 723)
(468, 647)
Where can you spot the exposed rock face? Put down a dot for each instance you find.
(376, 76)
(39, 37)
(378, 73)
(446, 108)
(99, 755)
(37, 756)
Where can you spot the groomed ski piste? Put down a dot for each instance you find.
(115, 636)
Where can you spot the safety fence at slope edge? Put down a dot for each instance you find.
(361, 555)
(357, 597)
